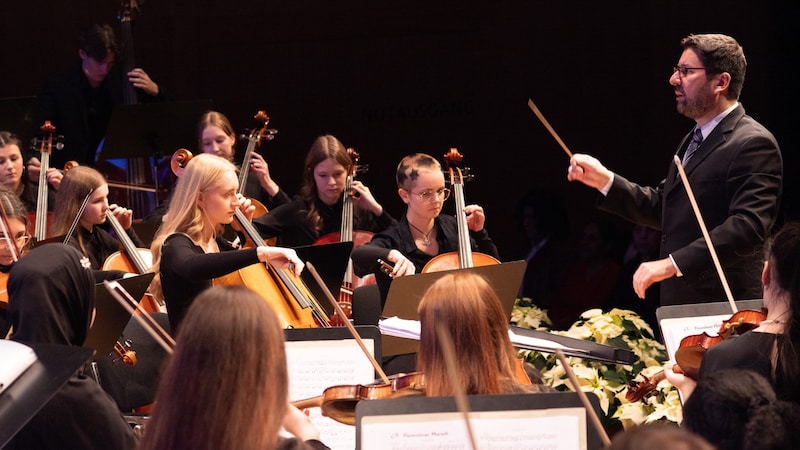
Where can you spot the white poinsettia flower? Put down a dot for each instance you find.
(632, 414)
(670, 409)
(609, 382)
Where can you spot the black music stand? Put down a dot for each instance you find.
(330, 260)
(145, 130)
(405, 294)
(37, 385)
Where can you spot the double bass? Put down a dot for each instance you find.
(348, 234)
(465, 257)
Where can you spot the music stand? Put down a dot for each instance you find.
(318, 358)
(541, 420)
(16, 116)
(111, 317)
(330, 260)
(37, 385)
(405, 294)
(145, 130)
(678, 321)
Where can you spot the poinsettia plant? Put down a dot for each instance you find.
(609, 382)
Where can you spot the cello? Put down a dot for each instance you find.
(132, 259)
(348, 234)
(465, 257)
(286, 293)
(40, 220)
(253, 141)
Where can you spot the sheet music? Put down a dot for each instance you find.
(316, 365)
(675, 329)
(556, 429)
(17, 358)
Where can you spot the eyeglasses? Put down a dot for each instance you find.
(22, 241)
(683, 71)
(430, 194)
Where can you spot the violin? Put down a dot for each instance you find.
(690, 352)
(347, 234)
(339, 402)
(464, 258)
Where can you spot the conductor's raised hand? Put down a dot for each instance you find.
(588, 170)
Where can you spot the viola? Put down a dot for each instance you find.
(348, 234)
(465, 257)
(690, 352)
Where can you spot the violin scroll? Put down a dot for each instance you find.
(126, 354)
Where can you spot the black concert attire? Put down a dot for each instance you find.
(751, 351)
(51, 300)
(99, 243)
(187, 270)
(30, 194)
(289, 224)
(80, 113)
(365, 258)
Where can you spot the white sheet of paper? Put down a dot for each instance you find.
(316, 365)
(556, 429)
(675, 329)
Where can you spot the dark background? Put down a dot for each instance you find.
(392, 78)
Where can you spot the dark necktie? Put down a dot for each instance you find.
(697, 138)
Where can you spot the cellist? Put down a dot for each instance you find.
(317, 209)
(19, 180)
(216, 135)
(422, 233)
(188, 249)
(91, 237)
(773, 348)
